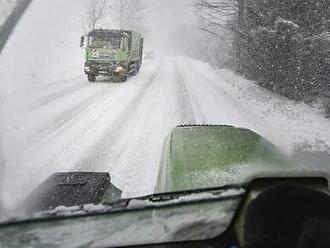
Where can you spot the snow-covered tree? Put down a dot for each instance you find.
(219, 18)
(96, 11)
(283, 45)
(131, 14)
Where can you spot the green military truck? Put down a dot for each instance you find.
(114, 53)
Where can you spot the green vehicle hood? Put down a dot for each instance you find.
(210, 156)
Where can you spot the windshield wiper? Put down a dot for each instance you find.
(167, 196)
(176, 198)
(135, 203)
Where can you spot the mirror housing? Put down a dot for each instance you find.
(82, 41)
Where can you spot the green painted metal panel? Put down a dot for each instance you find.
(209, 156)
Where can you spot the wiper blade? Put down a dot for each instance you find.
(136, 203)
(179, 198)
(161, 197)
(230, 190)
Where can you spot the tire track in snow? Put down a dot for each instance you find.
(101, 117)
(187, 112)
(55, 90)
(54, 96)
(101, 151)
(61, 150)
(139, 160)
(133, 171)
(138, 170)
(230, 110)
(129, 150)
(189, 106)
(98, 112)
(54, 124)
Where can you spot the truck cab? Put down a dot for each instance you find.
(112, 53)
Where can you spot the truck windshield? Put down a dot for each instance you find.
(105, 41)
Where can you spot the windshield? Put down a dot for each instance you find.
(105, 42)
(159, 96)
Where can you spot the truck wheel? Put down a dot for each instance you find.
(138, 66)
(123, 78)
(91, 77)
(134, 68)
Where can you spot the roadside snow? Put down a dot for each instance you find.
(230, 99)
(297, 122)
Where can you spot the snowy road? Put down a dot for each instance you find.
(120, 127)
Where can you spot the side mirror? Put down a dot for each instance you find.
(82, 41)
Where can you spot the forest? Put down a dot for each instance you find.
(282, 45)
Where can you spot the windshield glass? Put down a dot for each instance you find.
(106, 41)
(158, 96)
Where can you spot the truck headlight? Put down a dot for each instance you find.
(119, 69)
(87, 68)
